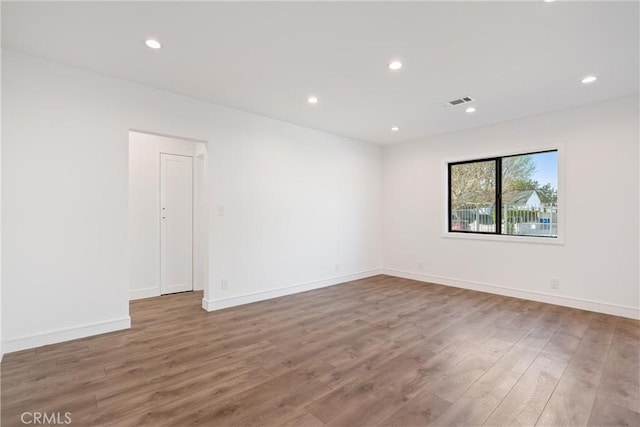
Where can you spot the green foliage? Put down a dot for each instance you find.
(517, 172)
(473, 184)
(547, 193)
(522, 185)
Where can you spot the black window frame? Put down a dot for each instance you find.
(498, 195)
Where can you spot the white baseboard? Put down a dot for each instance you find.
(143, 293)
(599, 307)
(211, 305)
(67, 334)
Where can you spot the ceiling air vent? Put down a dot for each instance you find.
(459, 101)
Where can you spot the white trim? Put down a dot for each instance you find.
(583, 304)
(211, 305)
(146, 132)
(444, 220)
(506, 238)
(66, 334)
(200, 224)
(144, 293)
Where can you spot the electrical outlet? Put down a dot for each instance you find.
(555, 283)
(421, 266)
(221, 210)
(224, 284)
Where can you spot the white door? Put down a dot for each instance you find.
(176, 230)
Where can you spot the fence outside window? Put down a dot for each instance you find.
(517, 220)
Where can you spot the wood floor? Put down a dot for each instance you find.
(379, 351)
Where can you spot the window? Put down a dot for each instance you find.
(509, 195)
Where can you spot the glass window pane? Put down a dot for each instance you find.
(472, 195)
(530, 194)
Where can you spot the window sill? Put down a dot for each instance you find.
(502, 238)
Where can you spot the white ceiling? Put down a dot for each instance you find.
(516, 58)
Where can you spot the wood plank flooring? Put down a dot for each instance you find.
(381, 351)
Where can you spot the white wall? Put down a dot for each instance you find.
(1, 346)
(301, 207)
(144, 210)
(598, 263)
(297, 201)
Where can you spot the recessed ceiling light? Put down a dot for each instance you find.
(549, 1)
(395, 129)
(589, 79)
(312, 100)
(471, 110)
(153, 44)
(395, 65)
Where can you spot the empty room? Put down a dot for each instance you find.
(320, 213)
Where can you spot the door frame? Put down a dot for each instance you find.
(142, 285)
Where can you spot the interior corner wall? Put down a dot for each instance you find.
(144, 211)
(301, 207)
(598, 263)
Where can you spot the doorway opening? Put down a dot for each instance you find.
(167, 218)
